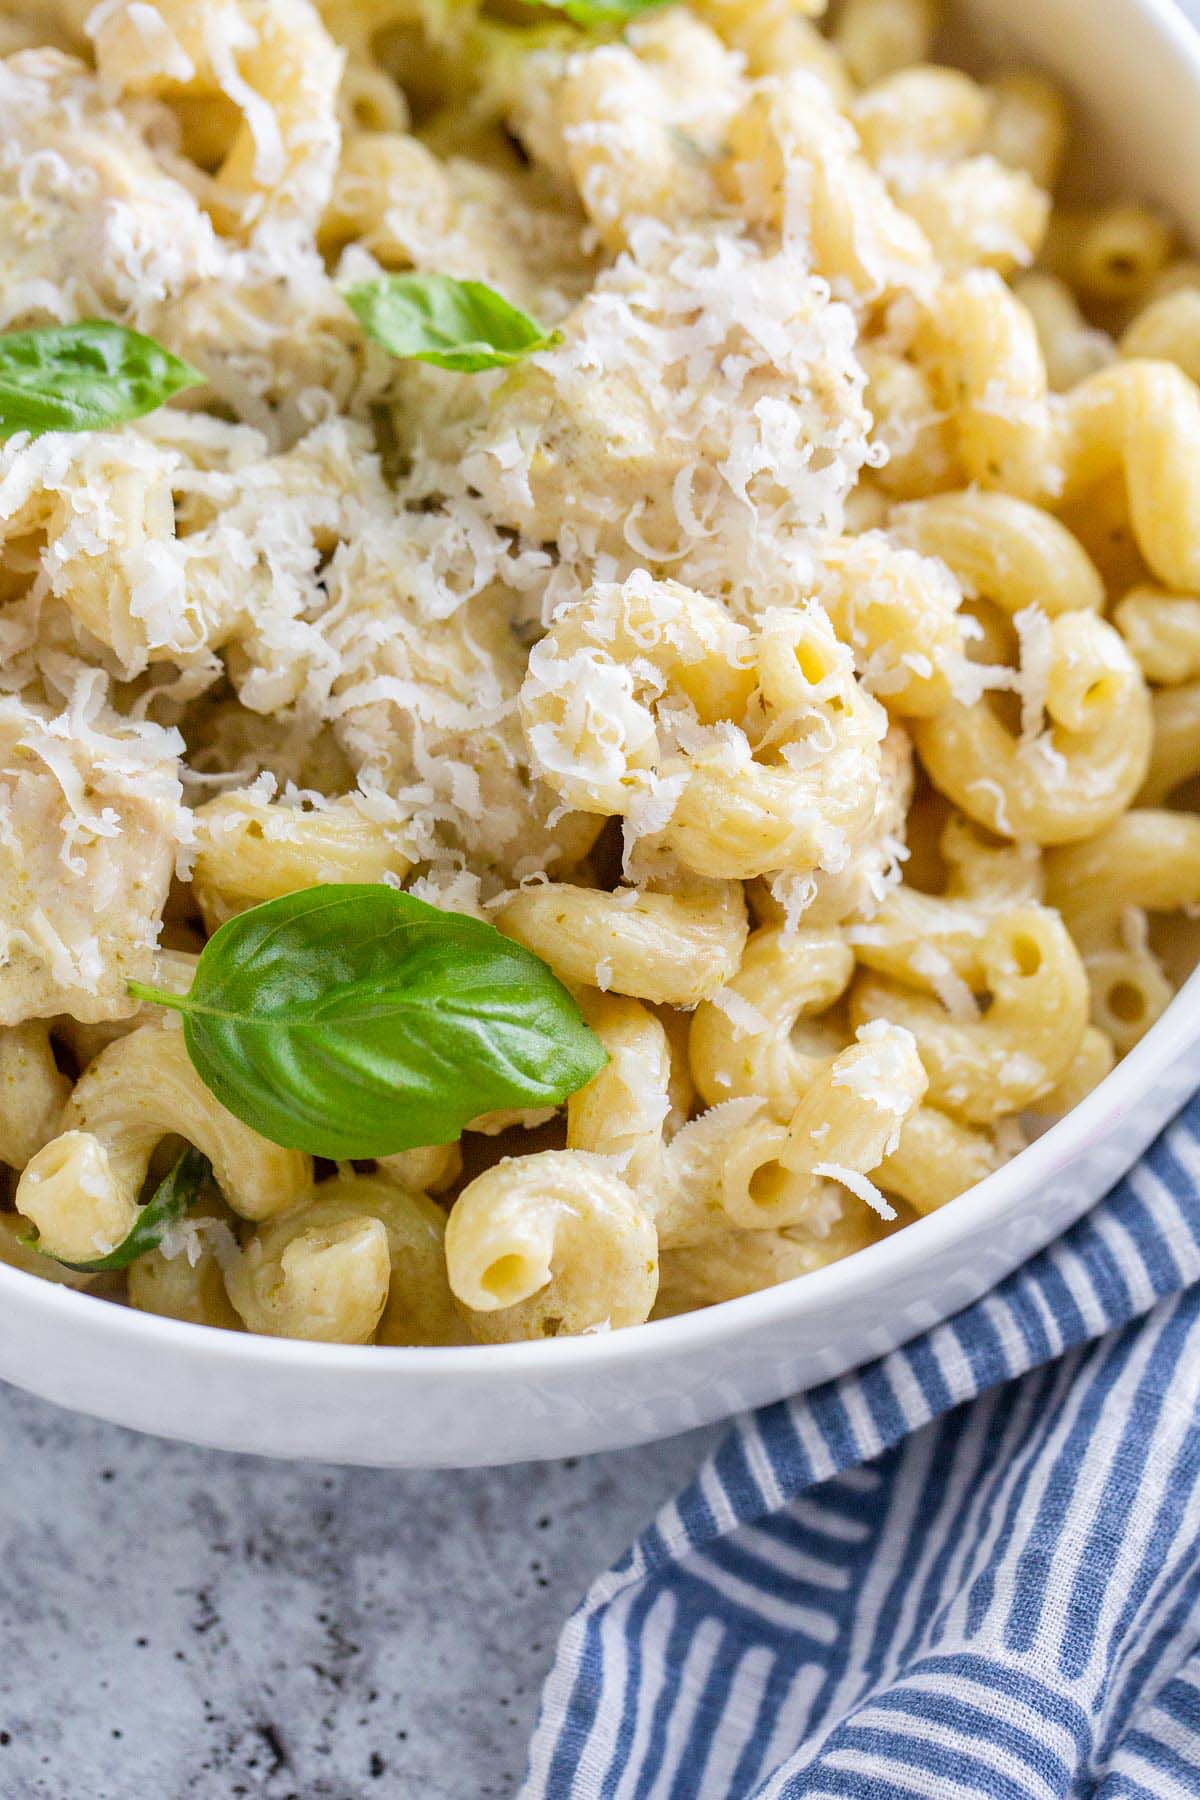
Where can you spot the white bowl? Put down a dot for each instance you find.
(1135, 67)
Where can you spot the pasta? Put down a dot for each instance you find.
(1099, 741)
(551, 1242)
(358, 1258)
(80, 1190)
(982, 1067)
(32, 1092)
(248, 849)
(749, 1038)
(674, 942)
(759, 577)
(1148, 860)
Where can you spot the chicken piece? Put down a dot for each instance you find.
(91, 223)
(90, 820)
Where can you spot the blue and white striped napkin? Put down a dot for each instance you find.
(969, 1569)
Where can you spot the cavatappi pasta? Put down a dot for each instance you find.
(800, 655)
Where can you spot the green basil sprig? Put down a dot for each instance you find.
(461, 325)
(171, 1199)
(602, 12)
(84, 377)
(354, 1021)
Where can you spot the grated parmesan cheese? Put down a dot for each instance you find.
(859, 1184)
(1036, 642)
(950, 988)
(91, 819)
(1134, 928)
(878, 1077)
(999, 805)
(746, 1019)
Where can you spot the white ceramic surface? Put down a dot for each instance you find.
(1135, 67)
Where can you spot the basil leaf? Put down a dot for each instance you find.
(460, 325)
(601, 12)
(166, 1206)
(84, 377)
(352, 1021)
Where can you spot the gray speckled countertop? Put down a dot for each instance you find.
(178, 1624)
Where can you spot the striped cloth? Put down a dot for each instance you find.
(969, 1569)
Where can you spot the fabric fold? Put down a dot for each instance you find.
(970, 1568)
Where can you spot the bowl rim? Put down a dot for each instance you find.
(838, 1283)
(999, 1195)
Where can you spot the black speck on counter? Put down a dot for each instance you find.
(270, 1736)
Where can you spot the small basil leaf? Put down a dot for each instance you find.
(84, 377)
(171, 1199)
(355, 1021)
(601, 12)
(460, 325)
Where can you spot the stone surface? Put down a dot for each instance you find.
(180, 1624)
